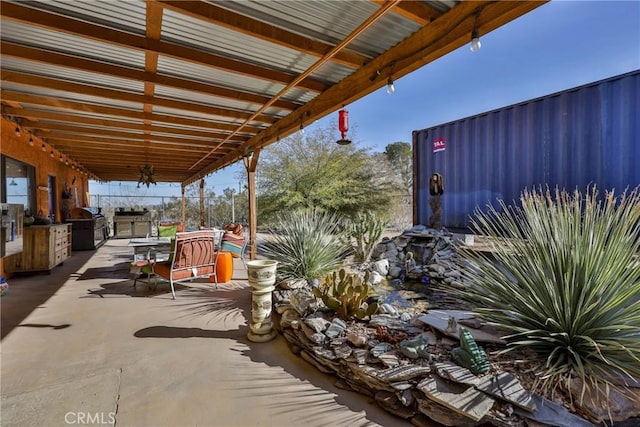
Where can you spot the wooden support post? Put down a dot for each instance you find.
(251, 163)
(202, 223)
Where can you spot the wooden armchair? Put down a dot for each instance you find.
(194, 256)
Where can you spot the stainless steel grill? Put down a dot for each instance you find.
(131, 223)
(89, 229)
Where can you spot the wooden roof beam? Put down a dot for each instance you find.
(34, 117)
(23, 98)
(415, 11)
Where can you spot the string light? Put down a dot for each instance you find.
(390, 87)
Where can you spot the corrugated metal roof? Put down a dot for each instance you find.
(70, 96)
(201, 73)
(243, 106)
(73, 45)
(125, 15)
(182, 29)
(72, 75)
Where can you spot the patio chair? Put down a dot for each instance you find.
(194, 256)
(235, 244)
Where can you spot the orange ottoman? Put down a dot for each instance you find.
(224, 267)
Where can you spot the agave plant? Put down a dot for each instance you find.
(565, 283)
(306, 244)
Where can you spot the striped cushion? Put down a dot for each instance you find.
(233, 244)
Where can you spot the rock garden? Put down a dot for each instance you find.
(419, 323)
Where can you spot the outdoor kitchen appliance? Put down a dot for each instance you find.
(89, 229)
(129, 223)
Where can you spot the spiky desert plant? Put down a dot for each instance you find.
(565, 283)
(307, 245)
(363, 233)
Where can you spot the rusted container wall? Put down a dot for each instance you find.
(570, 139)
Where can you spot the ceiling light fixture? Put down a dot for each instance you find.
(390, 87)
(146, 175)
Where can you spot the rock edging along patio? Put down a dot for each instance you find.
(418, 386)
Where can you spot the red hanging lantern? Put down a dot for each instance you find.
(343, 125)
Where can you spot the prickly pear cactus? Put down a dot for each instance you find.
(345, 294)
(469, 355)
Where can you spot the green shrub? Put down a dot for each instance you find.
(364, 233)
(564, 283)
(306, 244)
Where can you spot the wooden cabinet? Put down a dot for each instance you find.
(44, 247)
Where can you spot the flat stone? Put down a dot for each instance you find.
(506, 387)
(439, 320)
(471, 403)
(312, 335)
(318, 324)
(443, 415)
(312, 361)
(389, 359)
(390, 402)
(390, 322)
(380, 348)
(403, 373)
(342, 351)
(550, 413)
(451, 371)
(324, 353)
(360, 355)
(337, 327)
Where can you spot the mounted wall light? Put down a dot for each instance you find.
(44, 147)
(301, 130)
(60, 158)
(52, 155)
(390, 87)
(31, 140)
(343, 126)
(17, 130)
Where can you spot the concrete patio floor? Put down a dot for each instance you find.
(81, 346)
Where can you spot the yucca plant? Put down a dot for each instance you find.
(307, 245)
(565, 283)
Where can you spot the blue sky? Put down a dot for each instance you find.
(559, 45)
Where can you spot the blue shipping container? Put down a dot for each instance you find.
(571, 139)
